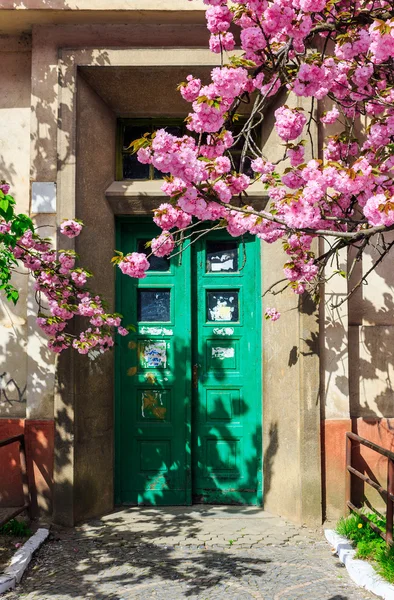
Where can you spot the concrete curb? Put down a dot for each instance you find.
(19, 562)
(362, 573)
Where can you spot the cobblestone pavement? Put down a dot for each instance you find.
(209, 553)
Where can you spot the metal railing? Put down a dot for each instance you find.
(387, 494)
(19, 439)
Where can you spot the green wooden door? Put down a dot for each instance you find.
(188, 410)
(153, 378)
(227, 372)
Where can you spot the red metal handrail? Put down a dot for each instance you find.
(387, 494)
(24, 475)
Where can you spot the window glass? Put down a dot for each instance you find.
(156, 263)
(153, 305)
(129, 167)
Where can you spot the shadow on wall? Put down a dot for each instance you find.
(7, 171)
(221, 474)
(360, 371)
(16, 387)
(39, 453)
(38, 433)
(269, 456)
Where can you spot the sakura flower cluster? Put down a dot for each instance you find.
(312, 191)
(61, 290)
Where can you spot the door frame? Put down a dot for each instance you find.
(189, 416)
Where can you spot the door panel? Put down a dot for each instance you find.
(226, 401)
(205, 303)
(153, 417)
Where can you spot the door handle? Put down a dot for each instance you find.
(195, 376)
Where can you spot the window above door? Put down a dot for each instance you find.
(127, 165)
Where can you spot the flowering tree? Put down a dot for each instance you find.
(337, 53)
(60, 286)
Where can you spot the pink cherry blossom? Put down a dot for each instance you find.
(271, 314)
(163, 245)
(289, 123)
(135, 265)
(71, 228)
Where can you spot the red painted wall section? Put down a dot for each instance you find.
(379, 431)
(333, 467)
(39, 439)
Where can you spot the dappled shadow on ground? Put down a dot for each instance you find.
(161, 553)
(117, 552)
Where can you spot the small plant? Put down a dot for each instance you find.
(231, 542)
(385, 561)
(15, 528)
(368, 543)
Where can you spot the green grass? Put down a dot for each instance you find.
(368, 544)
(15, 528)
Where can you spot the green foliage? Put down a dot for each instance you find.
(15, 528)
(385, 562)
(368, 543)
(19, 224)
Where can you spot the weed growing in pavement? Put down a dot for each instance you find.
(16, 528)
(369, 545)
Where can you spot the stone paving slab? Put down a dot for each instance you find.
(206, 554)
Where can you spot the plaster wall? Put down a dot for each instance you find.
(357, 372)
(45, 71)
(291, 413)
(371, 336)
(15, 73)
(291, 408)
(96, 126)
(104, 5)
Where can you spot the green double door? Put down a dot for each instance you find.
(188, 382)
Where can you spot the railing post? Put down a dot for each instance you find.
(389, 511)
(25, 476)
(348, 484)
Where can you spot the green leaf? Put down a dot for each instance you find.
(140, 143)
(4, 204)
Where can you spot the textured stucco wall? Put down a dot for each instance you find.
(291, 404)
(357, 375)
(17, 18)
(15, 68)
(94, 381)
(129, 5)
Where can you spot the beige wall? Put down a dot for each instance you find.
(291, 403)
(371, 331)
(18, 16)
(94, 400)
(15, 74)
(107, 5)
